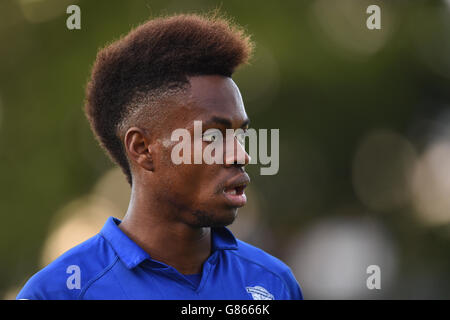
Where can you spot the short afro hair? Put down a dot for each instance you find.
(154, 58)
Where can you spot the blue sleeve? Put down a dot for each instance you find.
(47, 285)
(295, 292)
(31, 290)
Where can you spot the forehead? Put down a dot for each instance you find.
(216, 96)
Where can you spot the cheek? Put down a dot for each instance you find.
(197, 180)
(187, 183)
(187, 180)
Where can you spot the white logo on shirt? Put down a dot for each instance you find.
(259, 293)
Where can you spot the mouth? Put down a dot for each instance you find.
(234, 191)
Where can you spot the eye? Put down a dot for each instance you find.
(212, 135)
(240, 136)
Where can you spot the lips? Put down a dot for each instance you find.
(234, 190)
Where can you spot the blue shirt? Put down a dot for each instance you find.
(111, 266)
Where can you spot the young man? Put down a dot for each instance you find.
(172, 242)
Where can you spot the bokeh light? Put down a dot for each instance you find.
(344, 26)
(382, 170)
(37, 11)
(431, 177)
(75, 223)
(330, 259)
(84, 217)
(431, 184)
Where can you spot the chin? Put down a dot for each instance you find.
(217, 219)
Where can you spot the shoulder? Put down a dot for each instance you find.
(66, 276)
(258, 256)
(259, 260)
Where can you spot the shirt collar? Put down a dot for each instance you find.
(132, 255)
(127, 250)
(222, 239)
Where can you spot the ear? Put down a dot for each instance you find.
(138, 148)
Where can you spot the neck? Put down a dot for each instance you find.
(165, 239)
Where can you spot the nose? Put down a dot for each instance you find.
(235, 154)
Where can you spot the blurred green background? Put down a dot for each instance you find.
(364, 119)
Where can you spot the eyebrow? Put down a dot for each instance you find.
(225, 122)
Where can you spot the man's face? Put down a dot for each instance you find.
(204, 194)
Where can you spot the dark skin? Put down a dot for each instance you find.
(173, 207)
